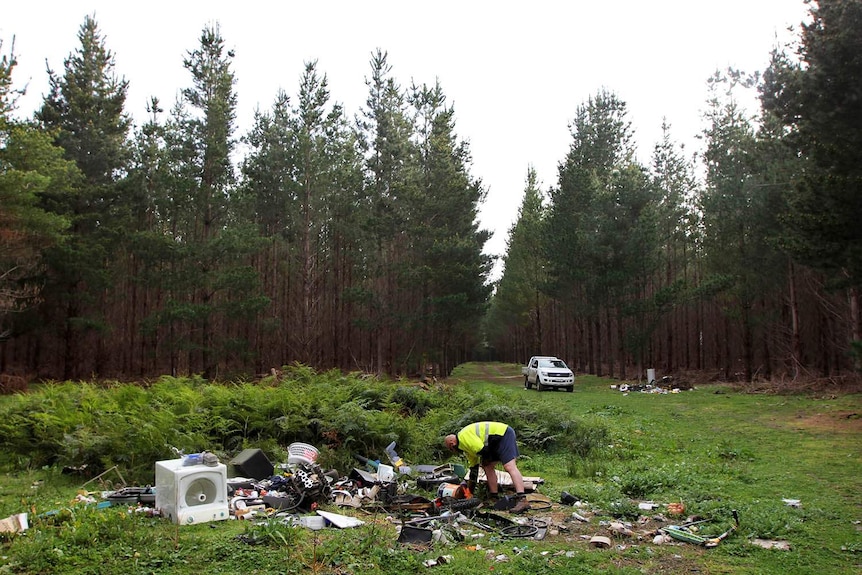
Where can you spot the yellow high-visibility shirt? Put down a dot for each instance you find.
(474, 437)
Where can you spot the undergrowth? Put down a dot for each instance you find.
(91, 428)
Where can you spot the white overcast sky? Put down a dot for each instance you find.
(514, 71)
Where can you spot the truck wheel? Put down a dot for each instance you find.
(539, 386)
(571, 388)
(527, 382)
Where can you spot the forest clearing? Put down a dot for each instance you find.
(613, 468)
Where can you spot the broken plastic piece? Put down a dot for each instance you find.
(14, 523)
(769, 544)
(600, 542)
(340, 521)
(393, 456)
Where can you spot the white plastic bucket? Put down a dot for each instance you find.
(302, 453)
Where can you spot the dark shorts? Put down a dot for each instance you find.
(502, 448)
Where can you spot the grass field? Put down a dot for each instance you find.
(790, 465)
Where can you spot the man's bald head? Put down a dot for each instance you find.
(451, 442)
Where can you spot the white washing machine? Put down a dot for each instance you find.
(189, 494)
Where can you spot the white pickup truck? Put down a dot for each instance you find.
(548, 372)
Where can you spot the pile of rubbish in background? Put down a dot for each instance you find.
(666, 385)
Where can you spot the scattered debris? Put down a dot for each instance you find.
(667, 385)
(132, 496)
(105, 483)
(409, 534)
(442, 560)
(313, 522)
(14, 523)
(768, 544)
(340, 521)
(686, 534)
(618, 528)
(296, 491)
(567, 498)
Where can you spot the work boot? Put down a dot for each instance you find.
(522, 505)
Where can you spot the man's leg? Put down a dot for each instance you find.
(491, 476)
(518, 481)
(511, 468)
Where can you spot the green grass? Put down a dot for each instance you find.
(713, 448)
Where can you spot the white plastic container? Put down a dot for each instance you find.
(302, 453)
(385, 473)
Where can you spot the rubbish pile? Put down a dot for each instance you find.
(197, 488)
(428, 504)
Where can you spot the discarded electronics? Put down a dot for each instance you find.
(191, 493)
(300, 487)
(251, 463)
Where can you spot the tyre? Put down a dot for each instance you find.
(461, 504)
(539, 386)
(570, 389)
(527, 382)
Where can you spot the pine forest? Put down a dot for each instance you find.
(350, 240)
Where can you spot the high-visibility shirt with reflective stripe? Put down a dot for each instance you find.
(475, 436)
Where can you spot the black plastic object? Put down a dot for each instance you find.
(133, 496)
(450, 504)
(415, 535)
(252, 463)
(282, 503)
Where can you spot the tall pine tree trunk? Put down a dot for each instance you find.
(855, 326)
(795, 336)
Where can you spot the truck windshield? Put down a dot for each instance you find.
(557, 363)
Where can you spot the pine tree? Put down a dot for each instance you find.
(447, 270)
(211, 282)
(586, 247)
(819, 99)
(520, 299)
(302, 182)
(738, 220)
(673, 179)
(391, 165)
(30, 166)
(85, 109)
